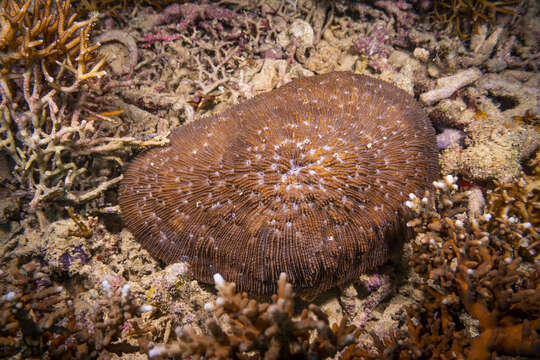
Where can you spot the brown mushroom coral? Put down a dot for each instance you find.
(308, 179)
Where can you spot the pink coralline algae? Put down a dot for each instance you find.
(309, 179)
(190, 14)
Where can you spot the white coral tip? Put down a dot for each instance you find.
(450, 179)
(157, 350)
(209, 306)
(218, 279)
(146, 308)
(10, 296)
(439, 184)
(106, 286)
(125, 291)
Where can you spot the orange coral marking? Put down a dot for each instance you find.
(480, 115)
(112, 113)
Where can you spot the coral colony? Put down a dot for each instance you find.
(48, 124)
(334, 215)
(309, 179)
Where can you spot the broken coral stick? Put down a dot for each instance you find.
(448, 85)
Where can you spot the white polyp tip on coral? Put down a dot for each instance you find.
(209, 306)
(220, 301)
(424, 200)
(146, 308)
(218, 279)
(450, 179)
(459, 223)
(412, 196)
(106, 286)
(487, 217)
(527, 225)
(445, 301)
(10, 296)
(409, 204)
(157, 350)
(272, 309)
(524, 242)
(508, 260)
(439, 185)
(125, 290)
(349, 339)
(470, 271)
(512, 220)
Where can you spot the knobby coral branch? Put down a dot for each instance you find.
(267, 329)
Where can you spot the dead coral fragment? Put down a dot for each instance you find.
(260, 330)
(447, 86)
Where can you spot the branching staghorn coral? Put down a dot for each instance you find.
(259, 330)
(456, 14)
(518, 203)
(48, 119)
(38, 318)
(480, 298)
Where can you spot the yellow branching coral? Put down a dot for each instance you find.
(48, 66)
(42, 32)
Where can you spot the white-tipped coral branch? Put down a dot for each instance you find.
(266, 329)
